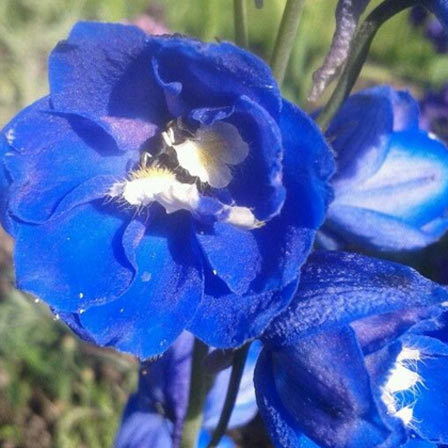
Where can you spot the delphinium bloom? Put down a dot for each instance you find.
(155, 414)
(432, 28)
(358, 359)
(391, 185)
(163, 184)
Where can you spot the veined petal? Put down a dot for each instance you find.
(337, 288)
(329, 400)
(412, 183)
(226, 320)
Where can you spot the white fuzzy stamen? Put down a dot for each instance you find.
(154, 184)
(401, 378)
(211, 151)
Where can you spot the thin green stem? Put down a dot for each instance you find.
(358, 55)
(198, 391)
(240, 18)
(285, 38)
(232, 392)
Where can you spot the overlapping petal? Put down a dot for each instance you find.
(392, 181)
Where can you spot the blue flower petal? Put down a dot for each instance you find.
(226, 320)
(440, 9)
(329, 400)
(245, 406)
(257, 182)
(380, 231)
(359, 135)
(75, 261)
(103, 72)
(233, 255)
(71, 149)
(143, 429)
(163, 297)
(165, 383)
(337, 288)
(412, 183)
(283, 431)
(212, 75)
(308, 165)
(204, 439)
(431, 400)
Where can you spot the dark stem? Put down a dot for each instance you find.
(234, 384)
(240, 18)
(198, 390)
(285, 38)
(358, 55)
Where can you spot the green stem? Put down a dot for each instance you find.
(285, 38)
(358, 54)
(232, 392)
(198, 391)
(240, 17)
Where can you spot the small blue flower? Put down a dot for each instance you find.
(391, 186)
(155, 414)
(163, 184)
(358, 359)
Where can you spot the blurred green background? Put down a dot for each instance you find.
(54, 390)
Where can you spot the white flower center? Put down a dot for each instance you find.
(209, 153)
(402, 378)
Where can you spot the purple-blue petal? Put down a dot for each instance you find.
(212, 75)
(163, 298)
(227, 320)
(232, 253)
(75, 261)
(329, 400)
(70, 148)
(103, 72)
(337, 288)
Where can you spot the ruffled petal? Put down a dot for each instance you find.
(337, 288)
(103, 72)
(379, 231)
(212, 75)
(71, 149)
(75, 261)
(162, 299)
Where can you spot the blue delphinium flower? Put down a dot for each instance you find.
(391, 186)
(358, 359)
(155, 414)
(163, 184)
